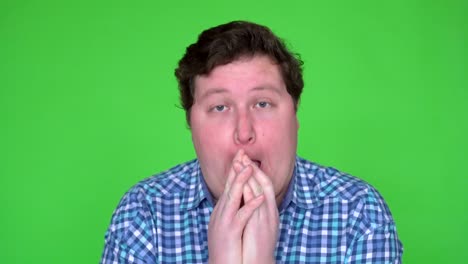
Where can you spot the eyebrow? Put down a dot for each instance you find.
(224, 91)
(266, 88)
(212, 92)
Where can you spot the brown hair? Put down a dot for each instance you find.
(228, 42)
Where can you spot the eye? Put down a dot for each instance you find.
(263, 104)
(219, 108)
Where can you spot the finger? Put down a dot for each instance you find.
(244, 214)
(248, 193)
(255, 187)
(222, 198)
(257, 191)
(237, 167)
(234, 194)
(232, 172)
(267, 188)
(246, 160)
(266, 185)
(263, 180)
(254, 183)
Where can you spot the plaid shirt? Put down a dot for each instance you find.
(326, 217)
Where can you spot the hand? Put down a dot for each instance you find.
(228, 220)
(261, 231)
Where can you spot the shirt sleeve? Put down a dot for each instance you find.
(373, 234)
(129, 238)
(379, 245)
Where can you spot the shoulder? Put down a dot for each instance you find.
(155, 193)
(329, 184)
(167, 183)
(133, 221)
(131, 234)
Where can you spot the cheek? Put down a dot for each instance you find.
(279, 132)
(209, 140)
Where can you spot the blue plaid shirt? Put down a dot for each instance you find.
(326, 217)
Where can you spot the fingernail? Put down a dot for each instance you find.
(238, 166)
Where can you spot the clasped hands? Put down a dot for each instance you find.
(244, 232)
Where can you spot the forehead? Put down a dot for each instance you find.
(247, 73)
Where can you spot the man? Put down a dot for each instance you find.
(248, 198)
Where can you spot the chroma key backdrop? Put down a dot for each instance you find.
(89, 107)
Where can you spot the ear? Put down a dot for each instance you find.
(297, 123)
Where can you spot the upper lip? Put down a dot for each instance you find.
(250, 155)
(255, 159)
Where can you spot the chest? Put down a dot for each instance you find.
(305, 236)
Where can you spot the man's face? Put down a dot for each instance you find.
(244, 105)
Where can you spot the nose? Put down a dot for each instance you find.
(244, 132)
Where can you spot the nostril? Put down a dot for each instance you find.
(244, 137)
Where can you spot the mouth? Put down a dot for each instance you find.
(257, 162)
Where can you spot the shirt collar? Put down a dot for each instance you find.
(301, 189)
(197, 190)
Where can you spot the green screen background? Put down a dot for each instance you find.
(88, 107)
